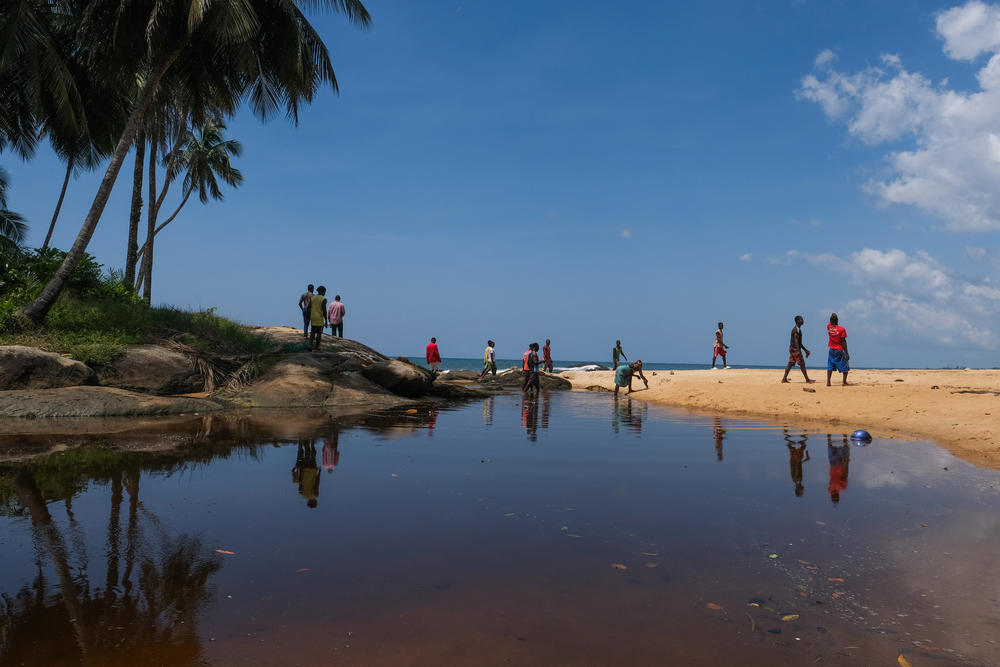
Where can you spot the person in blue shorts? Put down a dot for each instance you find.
(839, 358)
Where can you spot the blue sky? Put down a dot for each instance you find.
(583, 172)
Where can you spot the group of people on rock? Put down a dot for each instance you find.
(317, 314)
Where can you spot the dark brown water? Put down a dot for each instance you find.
(569, 530)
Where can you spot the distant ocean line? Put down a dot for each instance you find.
(470, 364)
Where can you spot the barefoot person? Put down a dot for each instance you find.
(433, 355)
(547, 356)
(531, 363)
(839, 358)
(317, 317)
(335, 315)
(795, 349)
(719, 348)
(489, 360)
(305, 305)
(617, 354)
(624, 373)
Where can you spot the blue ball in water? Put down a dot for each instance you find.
(861, 436)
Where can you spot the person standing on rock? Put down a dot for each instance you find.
(317, 317)
(531, 368)
(617, 354)
(489, 360)
(719, 348)
(305, 304)
(433, 355)
(547, 356)
(335, 316)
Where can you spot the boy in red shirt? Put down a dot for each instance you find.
(838, 358)
(433, 356)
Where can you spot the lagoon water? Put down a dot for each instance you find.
(574, 528)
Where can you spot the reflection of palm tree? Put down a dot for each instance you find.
(173, 574)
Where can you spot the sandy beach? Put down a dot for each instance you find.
(957, 409)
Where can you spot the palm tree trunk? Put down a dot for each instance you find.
(151, 210)
(133, 220)
(36, 311)
(62, 195)
(187, 195)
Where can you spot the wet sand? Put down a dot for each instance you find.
(957, 409)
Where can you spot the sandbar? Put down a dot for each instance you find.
(957, 409)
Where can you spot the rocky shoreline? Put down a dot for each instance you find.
(42, 392)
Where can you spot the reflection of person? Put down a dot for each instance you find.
(795, 460)
(625, 372)
(795, 350)
(305, 473)
(626, 415)
(529, 414)
(331, 452)
(433, 355)
(546, 409)
(432, 420)
(489, 360)
(839, 358)
(488, 411)
(719, 348)
(840, 458)
(719, 434)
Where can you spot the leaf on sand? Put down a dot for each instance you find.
(838, 579)
(652, 565)
(790, 617)
(648, 553)
(773, 556)
(411, 411)
(564, 528)
(619, 566)
(223, 551)
(804, 562)
(716, 607)
(302, 569)
(511, 514)
(903, 662)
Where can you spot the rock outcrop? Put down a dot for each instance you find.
(153, 369)
(30, 368)
(95, 401)
(399, 377)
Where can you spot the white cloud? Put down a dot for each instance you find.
(952, 168)
(825, 58)
(915, 294)
(746, 258)
(625, 233)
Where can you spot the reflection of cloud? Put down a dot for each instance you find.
(954, 165)
(915, 293)
(927, 466)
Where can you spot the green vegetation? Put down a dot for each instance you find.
(98, 315)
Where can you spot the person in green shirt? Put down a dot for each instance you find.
(317, 317)
(617, 354)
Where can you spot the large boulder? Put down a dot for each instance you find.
(24, 367)
(94, 402)
(399, 377)
(153, 369)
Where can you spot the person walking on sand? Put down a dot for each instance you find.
(719, 348)
(547, 356)
(335, 316)
(305, 305)
(317, 317)
(617, 354)
(433, 355)
(531, 363)
(795, 349)
(624, 373)
(839, 358)
(489, 360)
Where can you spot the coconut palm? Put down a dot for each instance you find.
(12, 226)
(204, 159)
(214, 54)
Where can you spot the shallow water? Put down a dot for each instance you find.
(575, 528)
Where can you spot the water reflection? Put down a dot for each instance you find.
(488, 410)
(797, 455)
(306, 473)
(840, 459)
(331, 450)
(718, 434)
(529, 414)
(627, 416)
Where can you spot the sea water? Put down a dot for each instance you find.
(568, 528)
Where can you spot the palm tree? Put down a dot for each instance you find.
(214, 54)
(205, 158)
(12, 225)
